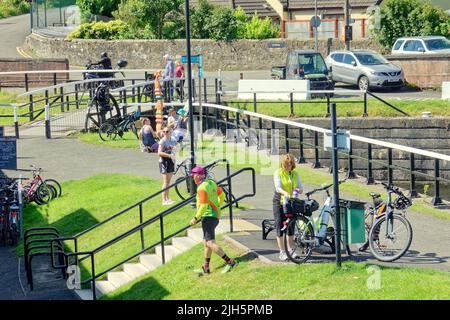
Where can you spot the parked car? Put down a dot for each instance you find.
(421, 45)
(365, 68)
(305, 65)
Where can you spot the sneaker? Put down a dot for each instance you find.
(165, 203)
(202, 271)
(170, 201)
(283, 256)
(293, 254)
(229, 267)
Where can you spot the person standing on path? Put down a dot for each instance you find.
(209, 199)
(286, 180)
(167, 162)
(179, 73)
(169, 74)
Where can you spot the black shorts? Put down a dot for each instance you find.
(166, 166)
(209, 225)
(280, 217)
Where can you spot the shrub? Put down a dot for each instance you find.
(10, 8)
(222, 25)
(199, 18)
(98, 7)
(241, 22)
(261, 28)
(113, 30)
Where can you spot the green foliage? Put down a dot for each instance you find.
(10, 8)
(149, 15)
(241, 20)
(222, 25)
(400, 18)
(261, 29)
(199, 17)
(113, 30)
(98, 7)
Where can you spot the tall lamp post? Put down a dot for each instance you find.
(191, 109)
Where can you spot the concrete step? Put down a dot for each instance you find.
(196, 234)
(150, 261)
(118, 278)
(84, 294)
(135, 270)
(183, 243)
(170, 252)
(103, 287)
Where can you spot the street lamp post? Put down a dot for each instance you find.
(189, 79)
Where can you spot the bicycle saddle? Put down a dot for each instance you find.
(375, 195)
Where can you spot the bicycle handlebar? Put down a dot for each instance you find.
(391, 188)
(322, 189)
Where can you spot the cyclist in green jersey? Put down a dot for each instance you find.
(209, 199)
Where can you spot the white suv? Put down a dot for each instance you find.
(421, 45)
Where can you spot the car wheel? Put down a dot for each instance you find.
(363, 83)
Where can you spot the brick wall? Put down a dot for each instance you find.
(34, 80)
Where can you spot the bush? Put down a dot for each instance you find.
(222, 25)
(199, 18)
(400, 18)
(97, 7)
(241, 21)
(10, 8)
(113, 30)
(261, 29)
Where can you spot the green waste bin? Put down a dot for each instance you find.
(352, 221)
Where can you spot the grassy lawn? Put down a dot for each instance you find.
(128, 141)
(254, 280)
(211, 150)
(375, 108)
(88, 201)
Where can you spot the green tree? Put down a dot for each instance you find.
(97, 7)
(400, 18)
(199, 19)
(146, 14)
(222, 25)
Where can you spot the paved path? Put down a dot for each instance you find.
(13, 31)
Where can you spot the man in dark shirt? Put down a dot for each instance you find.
(105, 62)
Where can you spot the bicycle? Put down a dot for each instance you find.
(9, 215)
(183, 190)
(110, 129)
(39, 190)
(392, 244)
(310, 233)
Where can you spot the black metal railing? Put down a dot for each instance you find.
(54, 244)
(229, 119)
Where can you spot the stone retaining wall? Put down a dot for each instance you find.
(232, 55)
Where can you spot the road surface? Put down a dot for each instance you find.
(13, 31)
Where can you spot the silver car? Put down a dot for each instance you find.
(367, 69)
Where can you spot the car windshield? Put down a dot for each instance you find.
(312, 63)
(437, 44)
(370, 58)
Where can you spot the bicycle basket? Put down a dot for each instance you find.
(306, 208)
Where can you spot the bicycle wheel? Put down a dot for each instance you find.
(14, 234)
(56, 185)
(182, 189)
(43, 194)
(107, 132)
(303, 240)
(53, 191)
(391, 245)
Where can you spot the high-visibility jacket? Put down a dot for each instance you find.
(209, 199)
(288, 181)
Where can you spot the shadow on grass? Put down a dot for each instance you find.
(149, 288)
